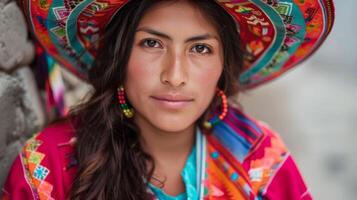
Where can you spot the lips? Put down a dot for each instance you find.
(172, 98)
(172, 101)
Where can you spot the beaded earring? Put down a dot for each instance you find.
(127, 111)
(214, 120)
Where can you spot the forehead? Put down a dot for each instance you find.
(173, 16)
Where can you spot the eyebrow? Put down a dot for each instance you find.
(163, 35)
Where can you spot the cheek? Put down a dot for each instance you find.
(140, 75)
(208, 74)
(209, 78)
(136, 68)
(205, 82)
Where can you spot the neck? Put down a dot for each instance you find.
(163, 145)
(169, 151)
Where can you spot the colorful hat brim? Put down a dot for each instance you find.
(277, 35)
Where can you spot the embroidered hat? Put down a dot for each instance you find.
(276, 34)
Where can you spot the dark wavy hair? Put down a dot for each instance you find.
(111, 161)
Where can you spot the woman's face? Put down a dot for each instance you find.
(174, 67)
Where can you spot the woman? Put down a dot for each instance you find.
(158, 124)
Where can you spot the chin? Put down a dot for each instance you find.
(173, 124)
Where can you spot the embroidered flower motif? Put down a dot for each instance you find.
(40, 172)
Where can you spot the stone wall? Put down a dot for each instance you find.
(21, 107)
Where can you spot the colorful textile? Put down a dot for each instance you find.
(241, 158)
(276, 35)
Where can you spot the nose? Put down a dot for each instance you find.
(174, 71)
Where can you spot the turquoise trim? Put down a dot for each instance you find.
(298, 19)
(273, 49)
(71, 33)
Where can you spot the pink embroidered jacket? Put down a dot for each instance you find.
(243, 159)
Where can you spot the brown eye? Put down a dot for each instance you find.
(150, 43)
(202, 49)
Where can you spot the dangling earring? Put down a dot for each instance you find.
(127, 111)
(214, 120)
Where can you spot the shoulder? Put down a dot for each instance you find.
(55, 134)
(269, 140)
(262, 153)
(51, 145)
(45, 164)
(272, 168)
(244, 136)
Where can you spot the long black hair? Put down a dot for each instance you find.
(111, 162)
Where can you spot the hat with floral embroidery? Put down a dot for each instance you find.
(276, 34)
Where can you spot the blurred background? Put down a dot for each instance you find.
(313, 106)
